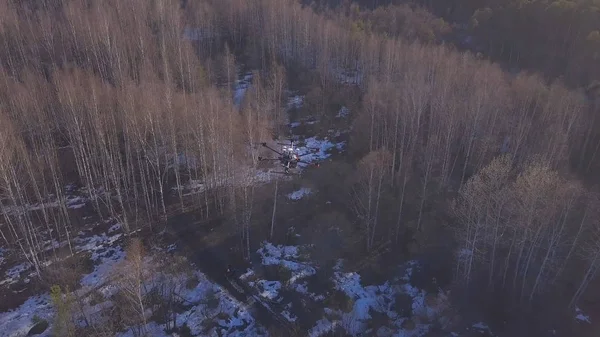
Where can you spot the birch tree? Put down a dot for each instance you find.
(368, 188)
(132, 277)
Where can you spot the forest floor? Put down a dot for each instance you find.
(291, 281)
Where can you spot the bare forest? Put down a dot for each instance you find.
(151, 113)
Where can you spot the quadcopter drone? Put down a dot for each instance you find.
(288, 156)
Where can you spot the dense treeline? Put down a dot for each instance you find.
(123, 98)
(560, 38)
(524, 229)
(408, 22)
(140, 109)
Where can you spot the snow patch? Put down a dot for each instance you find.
(287, 314)
(101, 272)
(241, 86)
(343, 112)
(18, 322)
(320, 149)
(13, 275)
(246, 175)
(322, 327)
(249, 273)
(232, 317)
(580, 316)
(211, 311)
(286, 256)
(270, 289)
(105, 253)
(295, 102)
(76, 202)
(151, 329)
(381, 299)
(114, 228)
(299, 194)
(480, 326)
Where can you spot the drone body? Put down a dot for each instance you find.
(288, 156)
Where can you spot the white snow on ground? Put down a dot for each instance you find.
(288, 257)
(249, 273)
(18, 322)
(76, 202)
(210, 303)
(246, 175)
(299, 194)
(103, 250)
(230, 317)
(302, 288)
(322, 327)
(269, 289)
(191, 187)
(295, 102)
(343, 112)
(152, 329)
(318, 149)
(114, 228)
(106, 262)
(13, 275)
(72, 201)
(380, 298)
(481, 326)
(16, 210)
(105, 253)
(287, 314)
(305, 121)
(241, 86)
(581, 316)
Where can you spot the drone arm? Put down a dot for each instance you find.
(265, 159)
(270, 148)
